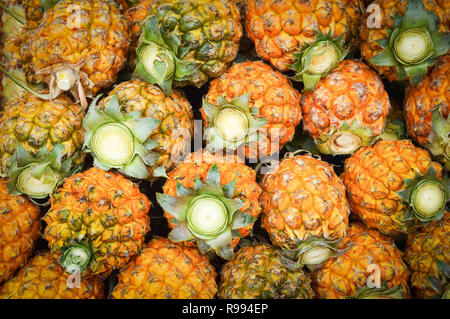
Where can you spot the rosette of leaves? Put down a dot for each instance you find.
(206, 214)
(413, 44)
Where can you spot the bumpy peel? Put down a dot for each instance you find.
(103, 210)
(19, 229)
(374, 175)
(167, 270)
(43, 278)
(271, 94)
(368, 252)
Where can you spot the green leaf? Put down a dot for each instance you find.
(180, 233)
(174, 205)
(241, 219)
(222, 244)
(22, 157)
(55, 156)
(160, 171)
(136, 168)
(232, 205)
(441, 42)
(38, 169)
(48, 4)
(113, 109)
(198, 184)
(210, 110)
(142, 128)
(184, 191)
(416, 15)
(385, 58)
(141, 73)
(183, 68)
(310, 80)
(151, 32)
(242, 101)
(228, 189)
(416, 73)
(213, 177)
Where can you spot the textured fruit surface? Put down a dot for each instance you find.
(374, 175)
(303, 198)
(372, 31)
(210, 29)
(258, 272)
(86, 34)
(102, 209)
(230, 168)
(281, 28)
(35, 123)
(19, 228)
(370, 253)
(351, 94)
(174, 112)
(167, 270)
(271, 93)
(43, 278)
(423, 248)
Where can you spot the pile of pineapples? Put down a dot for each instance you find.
(322, 170)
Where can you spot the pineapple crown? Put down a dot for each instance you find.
(413, 44)
(208, 214)
(76, 257)
(160, 57)
(121, 141)
(426, 196)
(315, 60)
(441, 286)
(39, 175)
(231, 123)
(382, 292)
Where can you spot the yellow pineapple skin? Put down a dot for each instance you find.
(102, 209)
(93, 35)
(167, 270)
(43, 278)
(352, 92)
(341, 277)
(174, 112)
(20, 227)
(231, 167)
(271, 93)
(281, 28)
(303, 198)
(374, 175)
(34, 123)
(257, 272)
(423, 248)
(370, 33)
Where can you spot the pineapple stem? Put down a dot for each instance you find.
(412, 46)
(323, 57)
(207, 216)
(34, 186)
(65, 79)
(76, 258)
(344, 143)
(428, 198)
(232, 124)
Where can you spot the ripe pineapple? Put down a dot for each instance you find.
(79, 46)
(30, 128)
(167, 270)
(252, 106)
(304, 208)
(19, 228)
(291, 34)
(172, 119)
(427, 107)
(96, 222)
(258, 272)
(403, 47)
(347, 109)
(211, 200)
(394, 186)
(423, 249)
(370, 260)
(184, 42)
(43, 278)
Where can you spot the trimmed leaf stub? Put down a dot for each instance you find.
(231, 124)
(317, 59)
(439, 137)
(120, 141)
(414, 44)
(39, 175)
(426, 196)
(380, 293)
(159, 57)
(441, 285)
(76, 258)
(206, 214)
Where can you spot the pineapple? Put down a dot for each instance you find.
(19, 228)
(211, 200)
(251, 106)
(166, 270)
(304, 208)
(184, 42)
(258, 272)
(395, 187)
(166, 122)
(370, 259)
(346, 110)
(79, 46)
(306, 36)
(427, 107)
(424, 249)
(30, 130)
(43, 278)
(400, 39)
(96, 222)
